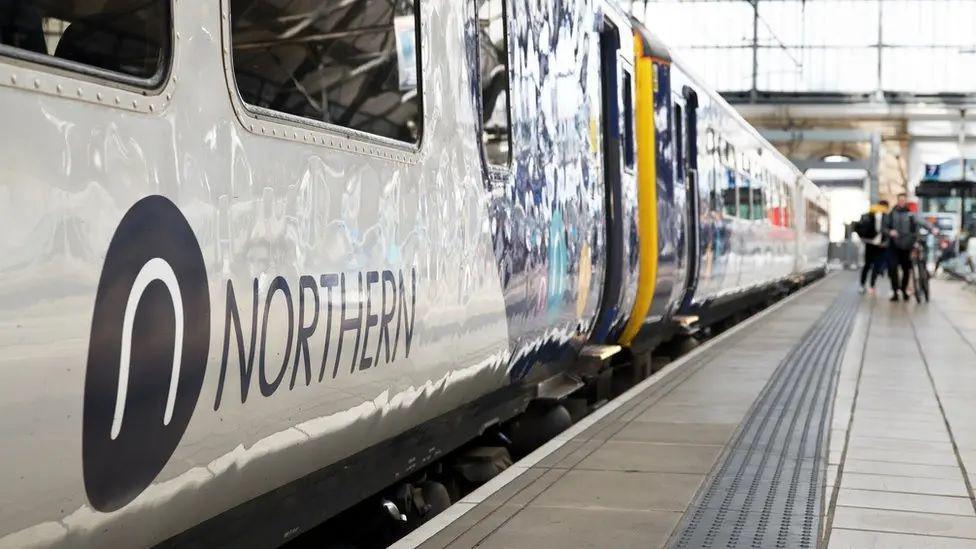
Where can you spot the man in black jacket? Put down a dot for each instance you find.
(901, 229)
(870, 229)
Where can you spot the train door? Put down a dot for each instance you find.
(687, 155)
(619, 157)
(681, 203)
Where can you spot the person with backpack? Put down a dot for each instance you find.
(869, 228)
(901, 232)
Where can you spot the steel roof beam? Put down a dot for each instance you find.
(805, 165)
(818, 135)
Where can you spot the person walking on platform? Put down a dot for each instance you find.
(869, 228)
(901, 231)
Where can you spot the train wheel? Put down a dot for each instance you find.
(436, 498)
(536, 426)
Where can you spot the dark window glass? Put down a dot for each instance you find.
(493, 40)
(691, 130)
(679, 141)
(817, 220)
(758, 200)
(352, 64)
(745, 198)
(729, 194)
(128, 37)
(714, 196)
(628, 121)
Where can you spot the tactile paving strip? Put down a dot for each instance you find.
(767, 490)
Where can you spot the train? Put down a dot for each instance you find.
(263, 259)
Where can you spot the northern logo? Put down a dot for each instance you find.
(147, 354)
(150, 340)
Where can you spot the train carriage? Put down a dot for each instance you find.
(263, 259)
(729, 210)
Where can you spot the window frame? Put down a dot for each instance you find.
(276, 124)
(496, 172)
(74, 71)
(629, 131)
(678, 138)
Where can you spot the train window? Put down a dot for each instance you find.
(496, 128)
(774, 208)
(817, 221)
(628, 120)
(769, 201)
(714, 198)
(745, 198)
(679, 142)
(729, 194)
(691, 129)
(127, 40)
(758, 201)
(784, 220)
(352, 64)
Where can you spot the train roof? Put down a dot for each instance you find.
(653, 45)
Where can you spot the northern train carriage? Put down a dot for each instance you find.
(263, 259)
(735, 221)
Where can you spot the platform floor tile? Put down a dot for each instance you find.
(866, 539)
(560, 528)
(905, 522)
(902, 501)
(689, 433)
(633, 490)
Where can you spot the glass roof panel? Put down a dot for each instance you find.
(822, 46)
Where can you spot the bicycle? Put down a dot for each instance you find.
(920, 270)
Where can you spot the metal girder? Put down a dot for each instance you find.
(817, 135)
(855, 111)
(834, 183)
(969, 138)
(805, 165)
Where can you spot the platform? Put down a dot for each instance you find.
(831, 419)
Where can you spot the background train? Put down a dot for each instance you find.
(262, 259)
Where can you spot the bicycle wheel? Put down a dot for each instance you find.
(915, 282)
(923, 281)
